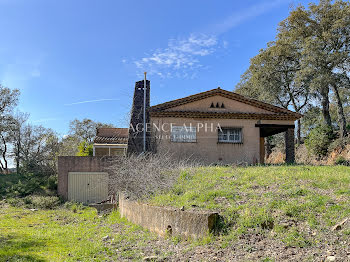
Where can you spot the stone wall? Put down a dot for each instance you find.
(290, 147)
(165, 221)
(68, 164)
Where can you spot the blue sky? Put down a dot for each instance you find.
(80, 59)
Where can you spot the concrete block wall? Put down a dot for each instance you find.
(163, 220)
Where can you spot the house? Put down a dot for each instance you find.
(219, 126)
(216, 126)
(110, 141)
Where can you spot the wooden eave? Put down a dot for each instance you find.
(227, 115)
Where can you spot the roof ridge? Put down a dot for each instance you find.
(230, 94)
(239, 115)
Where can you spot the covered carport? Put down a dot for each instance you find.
(273, 129)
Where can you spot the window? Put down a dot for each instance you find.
(230, 135)
(184, 134)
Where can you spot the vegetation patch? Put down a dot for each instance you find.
(75, 233)
(269, 213)
(295, 206)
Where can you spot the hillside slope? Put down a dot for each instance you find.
(277, 212)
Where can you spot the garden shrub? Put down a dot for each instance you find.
(40, 202)
(52, 183)
(74, 206)
(319, 140)
(85, 149)
(28, 184)
(340, 160)
(44, 202)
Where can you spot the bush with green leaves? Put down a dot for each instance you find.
(85, 149)
(340, 160)
(40, 202)
(74, 206)
(29, 184)
(52, 183)
(319, 139)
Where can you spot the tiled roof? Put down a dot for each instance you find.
(229, 115)
(112, 136)
(275, 110)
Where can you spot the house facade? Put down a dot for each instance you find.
(219, 126)
(216, 126)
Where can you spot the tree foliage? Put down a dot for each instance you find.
(307, 67)
(323, 32)
(85, 130)
(34, 149)
(8, 101)
(85, 149)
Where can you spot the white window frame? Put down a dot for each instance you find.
(233, 135)
(183, 134)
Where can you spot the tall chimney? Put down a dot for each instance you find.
(136, 128)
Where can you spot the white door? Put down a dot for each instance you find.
(87, 187)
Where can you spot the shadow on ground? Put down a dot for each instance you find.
(15, 248)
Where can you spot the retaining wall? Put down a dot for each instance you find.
(163, 220)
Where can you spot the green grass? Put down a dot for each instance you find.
(283, 199)
(67, 235)
(284, 206)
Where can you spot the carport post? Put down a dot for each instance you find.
(290, 148)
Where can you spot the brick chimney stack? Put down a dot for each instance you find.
(135, 141)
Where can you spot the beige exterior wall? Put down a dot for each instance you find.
(207, 148)
(230, 106)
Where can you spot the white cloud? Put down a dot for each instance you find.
(183, 57)
(91, 101)
(179, 55)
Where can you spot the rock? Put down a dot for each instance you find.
(339, 225)
(150, 258)
(33, 209)
(105, 238)
(330, 258)
(182, 208)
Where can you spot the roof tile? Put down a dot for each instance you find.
(111, 136)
